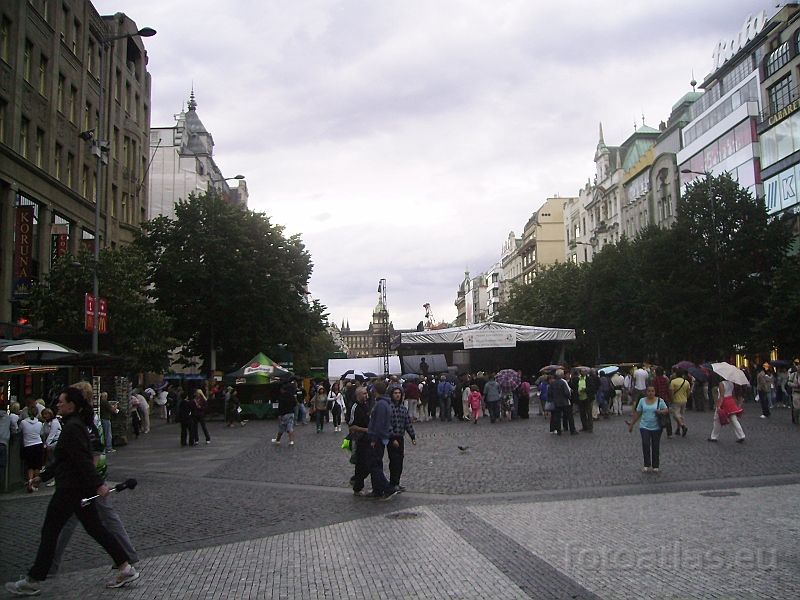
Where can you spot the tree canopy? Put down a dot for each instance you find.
(712, 285)
(230, 279)
(140, 331)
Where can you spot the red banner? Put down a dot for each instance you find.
(102, 314)
(58, 241)
(23, 252)
(23, 243)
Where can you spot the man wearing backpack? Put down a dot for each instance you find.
(445, 390)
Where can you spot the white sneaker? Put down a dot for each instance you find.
(763, 416)
(291, 443)
(274, 441)
(125, 576)
(24, 587)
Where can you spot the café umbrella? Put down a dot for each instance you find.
(730, 372)
(258, 371)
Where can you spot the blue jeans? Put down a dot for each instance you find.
(298, 410)
(651, 440)
(380, 485)
(107, 433)
(494, 410)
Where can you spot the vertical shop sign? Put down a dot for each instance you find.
(58, 242)
(23, 252)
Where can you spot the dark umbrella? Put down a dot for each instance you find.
(161, 386)
(410, 376)
(698, 374)
(784, 364)
(370, 374)
(352, 374)
(450, 377)
(685, 365)
(550, 369)
(508, 379)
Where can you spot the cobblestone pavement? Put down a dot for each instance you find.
(521, 513)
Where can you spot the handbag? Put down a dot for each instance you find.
(549, 406)
(663, 419)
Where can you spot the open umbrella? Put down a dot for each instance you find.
(550, 369)
(608, 370)
(508, 379)
(731, 373)
(698, 374)
(410, 377)
(784, 364)
(352, 375)
(685, 365)
(370, 374)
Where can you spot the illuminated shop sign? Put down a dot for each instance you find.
(727, 49)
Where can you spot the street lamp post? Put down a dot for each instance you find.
(98, 147)
(213, 357)
(713, 206)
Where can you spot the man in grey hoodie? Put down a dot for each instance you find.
(378, 433)
(491, 396)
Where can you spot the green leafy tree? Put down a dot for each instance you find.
(555, 298)
(230, 280)
(730, 253)
(138, 329)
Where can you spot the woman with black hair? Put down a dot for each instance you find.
(76, 478)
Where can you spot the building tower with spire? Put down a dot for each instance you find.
(183, 163)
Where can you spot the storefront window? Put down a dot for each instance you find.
(727, 145)
(769, 148)
(746, 174)
(783, 138)
(744, 135)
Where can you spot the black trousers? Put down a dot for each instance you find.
(433, 404)
(763, 398)
(396, 455)
(187, 430)
(362, 464)
(201, 421)
(562, 417)
(63, 504)
(587, 422)
(651, 441)
(458, 407)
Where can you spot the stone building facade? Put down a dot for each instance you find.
(183, 163)
(49, 96)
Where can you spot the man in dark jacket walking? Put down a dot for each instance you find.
(185, 416)
(379, 432)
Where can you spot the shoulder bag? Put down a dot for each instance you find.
(663, 419)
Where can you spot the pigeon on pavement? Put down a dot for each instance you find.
(463, 448)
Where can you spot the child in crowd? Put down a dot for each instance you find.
(474, 401)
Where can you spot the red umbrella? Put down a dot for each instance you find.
(685, 365)
(508, 379)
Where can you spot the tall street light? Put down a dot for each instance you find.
(713, 205)
(213, 357)
(98, 147)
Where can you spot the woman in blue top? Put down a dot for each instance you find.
(647, 410)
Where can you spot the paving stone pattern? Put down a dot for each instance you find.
(243, 518)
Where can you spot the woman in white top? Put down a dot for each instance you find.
(32, 446)
(726, 408)
(336, 402)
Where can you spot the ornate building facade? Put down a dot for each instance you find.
(183, 163)
(366, 343)
(49, 111)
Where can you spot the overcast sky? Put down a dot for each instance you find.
(405, 140)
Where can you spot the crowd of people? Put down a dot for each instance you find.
(73, 457)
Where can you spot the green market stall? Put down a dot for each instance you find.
(257, 384)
